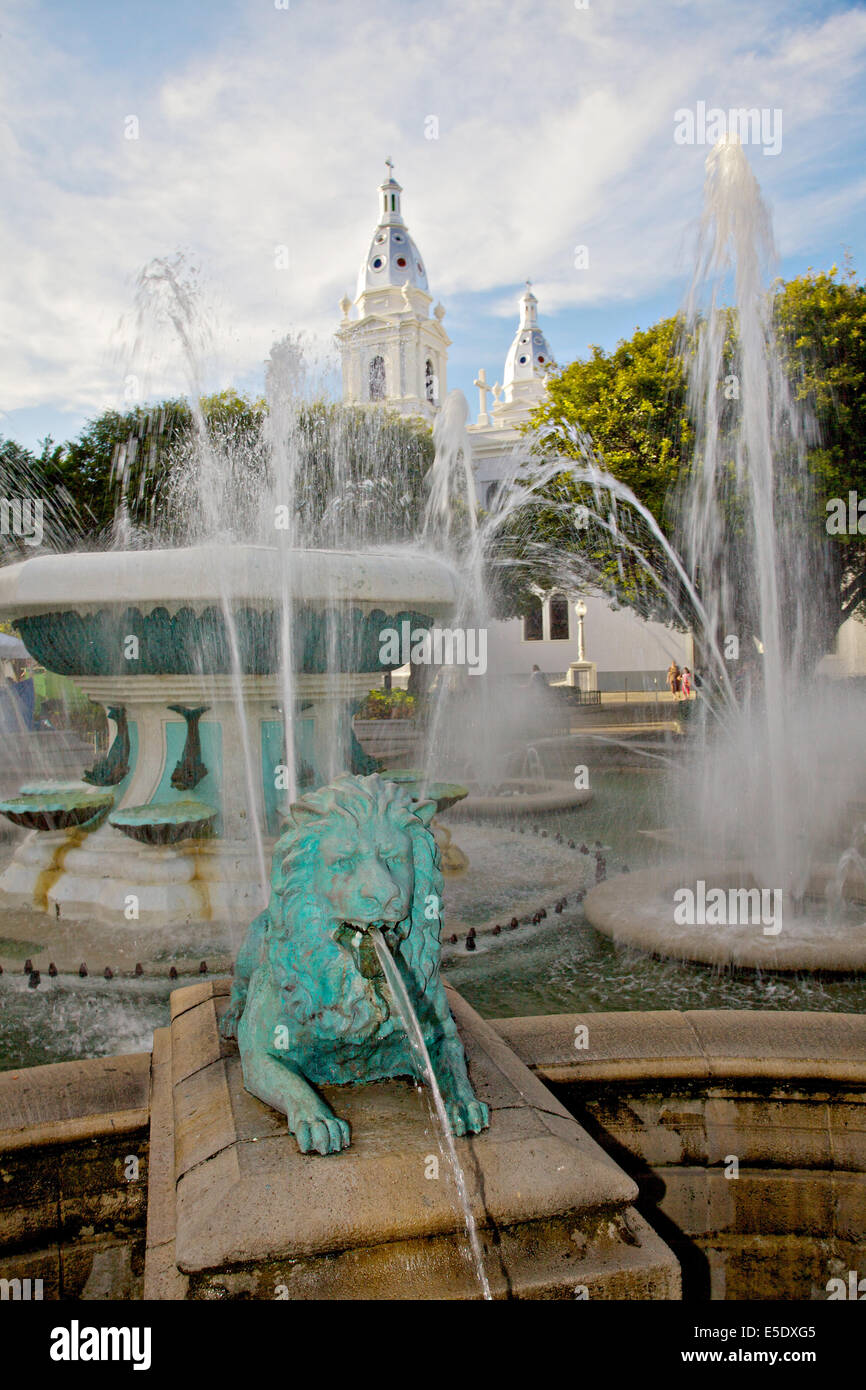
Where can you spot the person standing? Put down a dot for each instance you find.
(686, 683)
(23, 689)
(674, 679)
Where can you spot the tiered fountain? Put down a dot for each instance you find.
(183, 648)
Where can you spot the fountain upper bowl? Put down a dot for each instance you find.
(78, 613)
(199, 576)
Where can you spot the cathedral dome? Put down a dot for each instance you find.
(393, 257)
(529, 357)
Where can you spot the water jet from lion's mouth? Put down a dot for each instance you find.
(358, 939)
(445, 1136)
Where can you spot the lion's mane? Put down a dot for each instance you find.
(300, 944)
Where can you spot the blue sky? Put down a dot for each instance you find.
(260, 127)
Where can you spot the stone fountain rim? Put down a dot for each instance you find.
(618, 908)
(186, 577)
(559, 795)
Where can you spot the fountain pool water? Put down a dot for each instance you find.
(560, 964)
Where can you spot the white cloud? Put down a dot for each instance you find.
(556, 129)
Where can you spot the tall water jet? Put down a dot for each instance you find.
(748, 530)
(766, 785)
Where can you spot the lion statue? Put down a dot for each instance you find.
(310, 1003)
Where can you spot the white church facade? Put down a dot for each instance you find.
(394, 353)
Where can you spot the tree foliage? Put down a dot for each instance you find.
(623, 413)
(632, 404)
(630, 408)
(821, 320)
(356, 472)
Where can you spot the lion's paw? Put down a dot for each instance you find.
(231, 1018)
(320, 1132)
(468, 1117)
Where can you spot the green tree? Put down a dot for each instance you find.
(624, 412)
(36, 477)
(130, 454)
(359, 476)
(631, 407)
(632, 404)
(821, 320)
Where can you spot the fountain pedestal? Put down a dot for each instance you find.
(235, 1210)
(95, 876)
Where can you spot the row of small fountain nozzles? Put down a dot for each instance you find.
(35, 975)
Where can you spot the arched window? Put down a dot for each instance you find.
(377, 378)
(430, 381)
(533, 622)
(559, 624)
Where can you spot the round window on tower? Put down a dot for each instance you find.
(540, 358)
(380, 238)
(401, 261)
(377, 263)
(522, 361)
(398, 236)
(420, 267)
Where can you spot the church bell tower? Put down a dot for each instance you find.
(393, 352)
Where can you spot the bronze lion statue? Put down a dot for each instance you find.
(310, 1003)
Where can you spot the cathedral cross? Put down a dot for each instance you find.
(483, 388)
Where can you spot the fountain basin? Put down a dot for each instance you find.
(240, 1216)
(638, 909)
(165, 824)
(76, 613)
(56, 810)
(186, 576)
(445, 794)
(520, 796)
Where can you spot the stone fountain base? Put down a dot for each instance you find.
(511, 876)
(234, 1210)
(106, 878)
(93, 875)
(638, 910)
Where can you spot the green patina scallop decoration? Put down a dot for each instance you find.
(445, 794)
(56, 810)
(197, 643)
(165, 823)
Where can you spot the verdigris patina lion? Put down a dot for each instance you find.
(309, 1002)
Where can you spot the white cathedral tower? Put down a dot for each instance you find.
(524, 385)
(392, 351)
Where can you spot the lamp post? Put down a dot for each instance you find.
(580, 610)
